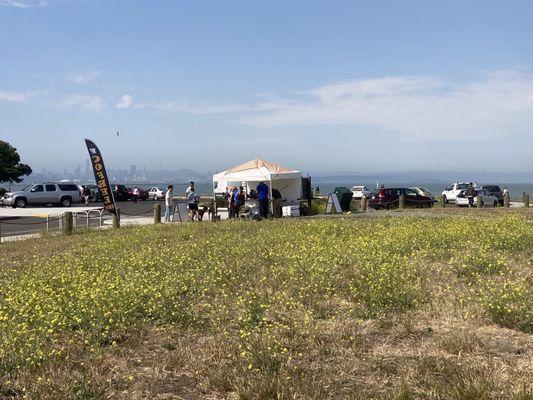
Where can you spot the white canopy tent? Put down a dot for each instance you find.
(287, 181)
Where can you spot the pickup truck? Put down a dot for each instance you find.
(450, 193)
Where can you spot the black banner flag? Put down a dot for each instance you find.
(100, 176)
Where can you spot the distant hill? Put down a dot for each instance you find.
(426, 177)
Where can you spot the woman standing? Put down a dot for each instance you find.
(240, 200)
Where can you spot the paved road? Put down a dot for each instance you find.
(19, 226)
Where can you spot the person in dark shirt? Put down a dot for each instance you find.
(470, 193)
(232, 207)
(276, 202)
(240, 200)
(262, 195)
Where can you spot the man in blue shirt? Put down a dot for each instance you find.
(262, 195)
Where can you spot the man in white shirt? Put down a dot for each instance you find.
(190, 188)
(169, 203)
(135, 194)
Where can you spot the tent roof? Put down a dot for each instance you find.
(256, 171)
(274, 169)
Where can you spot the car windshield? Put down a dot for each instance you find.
(27, 188)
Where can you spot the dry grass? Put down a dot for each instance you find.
(442, 347)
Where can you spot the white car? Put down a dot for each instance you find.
(450, 193)
(487, 199)
(62, 193)
(360, 191)
(155, 193)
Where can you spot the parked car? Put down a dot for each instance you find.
(422, 191)
(389, 198)
(63, 194)
(487, 199)
(143, 194)
(360, 191)
(120, 192)
(496, 191)
(451, 192)
(155, 193)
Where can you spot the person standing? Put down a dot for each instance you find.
(135, 194)
(262, 195)
(190, 188)
(231, 200)
(240, 200)
(470, 194)
(192, 199)
(86, 194)
(169, 203)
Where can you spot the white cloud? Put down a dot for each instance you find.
(18, 97)
(23, 3)
(186, 107)
(498, 104)
(416, 107)
(87, 102)
(126, 101)
(83, 78)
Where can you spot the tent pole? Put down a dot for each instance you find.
(271, 203)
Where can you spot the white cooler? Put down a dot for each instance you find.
(291, 211)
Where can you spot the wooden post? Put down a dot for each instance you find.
(363, 204)
(69, 222)
(479, 202)
(506, 201)
(526, 199)
(116, 219)
(157, 213)
(401, 202)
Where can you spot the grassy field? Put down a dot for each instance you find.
(420, 306)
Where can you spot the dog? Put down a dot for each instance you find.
(201, 211)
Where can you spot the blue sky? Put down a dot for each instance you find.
(340, 86)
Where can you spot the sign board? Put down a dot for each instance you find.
(181, 212)
(100, 177)
(333, 204)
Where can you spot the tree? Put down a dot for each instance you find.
(11, 169)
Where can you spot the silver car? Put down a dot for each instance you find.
(63, 194)
(156, 193)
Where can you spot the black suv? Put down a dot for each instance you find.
(120, 192)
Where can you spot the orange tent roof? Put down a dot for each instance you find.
(257, 164)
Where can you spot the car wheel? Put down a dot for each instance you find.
(156, 197)
(20, 203)
(445, 199)
(66, 202)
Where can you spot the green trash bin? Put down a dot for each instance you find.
(344, 195)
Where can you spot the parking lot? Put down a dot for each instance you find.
(30, 220)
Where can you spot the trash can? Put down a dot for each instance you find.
(344, 195)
